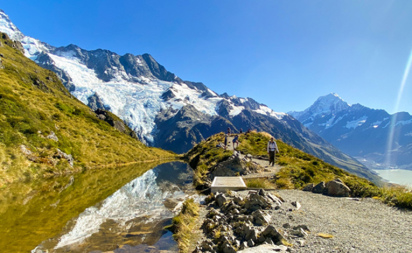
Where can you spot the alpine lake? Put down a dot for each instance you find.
(123, 209)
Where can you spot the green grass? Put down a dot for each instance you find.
(299, 169)
(205, 155)
(34, 103)
(184, 224)
(261, 183)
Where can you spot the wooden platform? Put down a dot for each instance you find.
(222, 184)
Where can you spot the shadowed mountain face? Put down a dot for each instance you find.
(162, 109)
(362, 132)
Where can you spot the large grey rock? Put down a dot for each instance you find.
(255, 201)
(272, 233)
(220, 199)
(231, 167)
(319, 188)
(308, 187)
(260, 218)
(336, 188)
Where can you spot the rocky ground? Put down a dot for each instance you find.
(252, 221)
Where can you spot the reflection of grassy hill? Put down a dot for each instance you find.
(37, 215)
(298, 168)
(33, 104)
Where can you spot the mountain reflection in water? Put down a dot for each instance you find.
(132, 218)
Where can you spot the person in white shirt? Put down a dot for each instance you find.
(272, 150)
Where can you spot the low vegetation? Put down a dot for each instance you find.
(299, 169)
(35, 105)
(206, 155)
(184, 224)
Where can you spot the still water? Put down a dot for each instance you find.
(397, 176)
(120, 210)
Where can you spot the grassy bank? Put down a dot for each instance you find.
(184, 224)
(300, 169)
(38, 112)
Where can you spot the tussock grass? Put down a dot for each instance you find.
(262, 183)
(299, 169)
(184, 224)
(205, 155)
(34, 103)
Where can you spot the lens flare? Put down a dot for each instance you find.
(391, 135)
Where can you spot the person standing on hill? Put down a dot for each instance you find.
(272, 150)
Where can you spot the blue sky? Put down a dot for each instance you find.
(284, 54)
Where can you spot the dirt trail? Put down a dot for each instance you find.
(268, 171)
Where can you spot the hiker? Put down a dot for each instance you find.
(241, 130)
(225, 141)
(272, 150)
(236, 141)
(228, 130)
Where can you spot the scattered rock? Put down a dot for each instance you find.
(60, 154)
(319, 188)
(308, 187)
(296, 204)
(52, 136)
(336, 188)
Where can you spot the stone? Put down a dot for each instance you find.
(336, 188)
(238, 200)
(308, 187)
(260, 218)
(319, 188)
(262, 192)
(220, 199)
(286, 225)
(304, 227)
(52, 136)
(250, 243)
(60, 154)
(296, 204)
(275, 199)
(227, 248)
(272, 233)
(255, 202)
(299, 233)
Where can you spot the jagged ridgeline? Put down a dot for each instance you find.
(45, 131)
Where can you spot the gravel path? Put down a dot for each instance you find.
(363, 225)
(268, 171)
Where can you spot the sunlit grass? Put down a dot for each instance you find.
(33, 104)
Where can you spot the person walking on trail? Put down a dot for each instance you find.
(272, 150)
(235, 141)
(225, 141)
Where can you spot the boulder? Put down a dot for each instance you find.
(272, 233)
(220, 199)
(256, 201)
(308, 187)
(319, 188)
(336, 188)
(260, 218)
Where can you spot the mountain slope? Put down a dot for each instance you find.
(162, 109)
(362, 132)
(46, 131)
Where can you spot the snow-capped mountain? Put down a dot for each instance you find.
(164, 110)
(362, 132)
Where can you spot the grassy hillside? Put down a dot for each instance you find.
(34, 104)
(298, 168)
